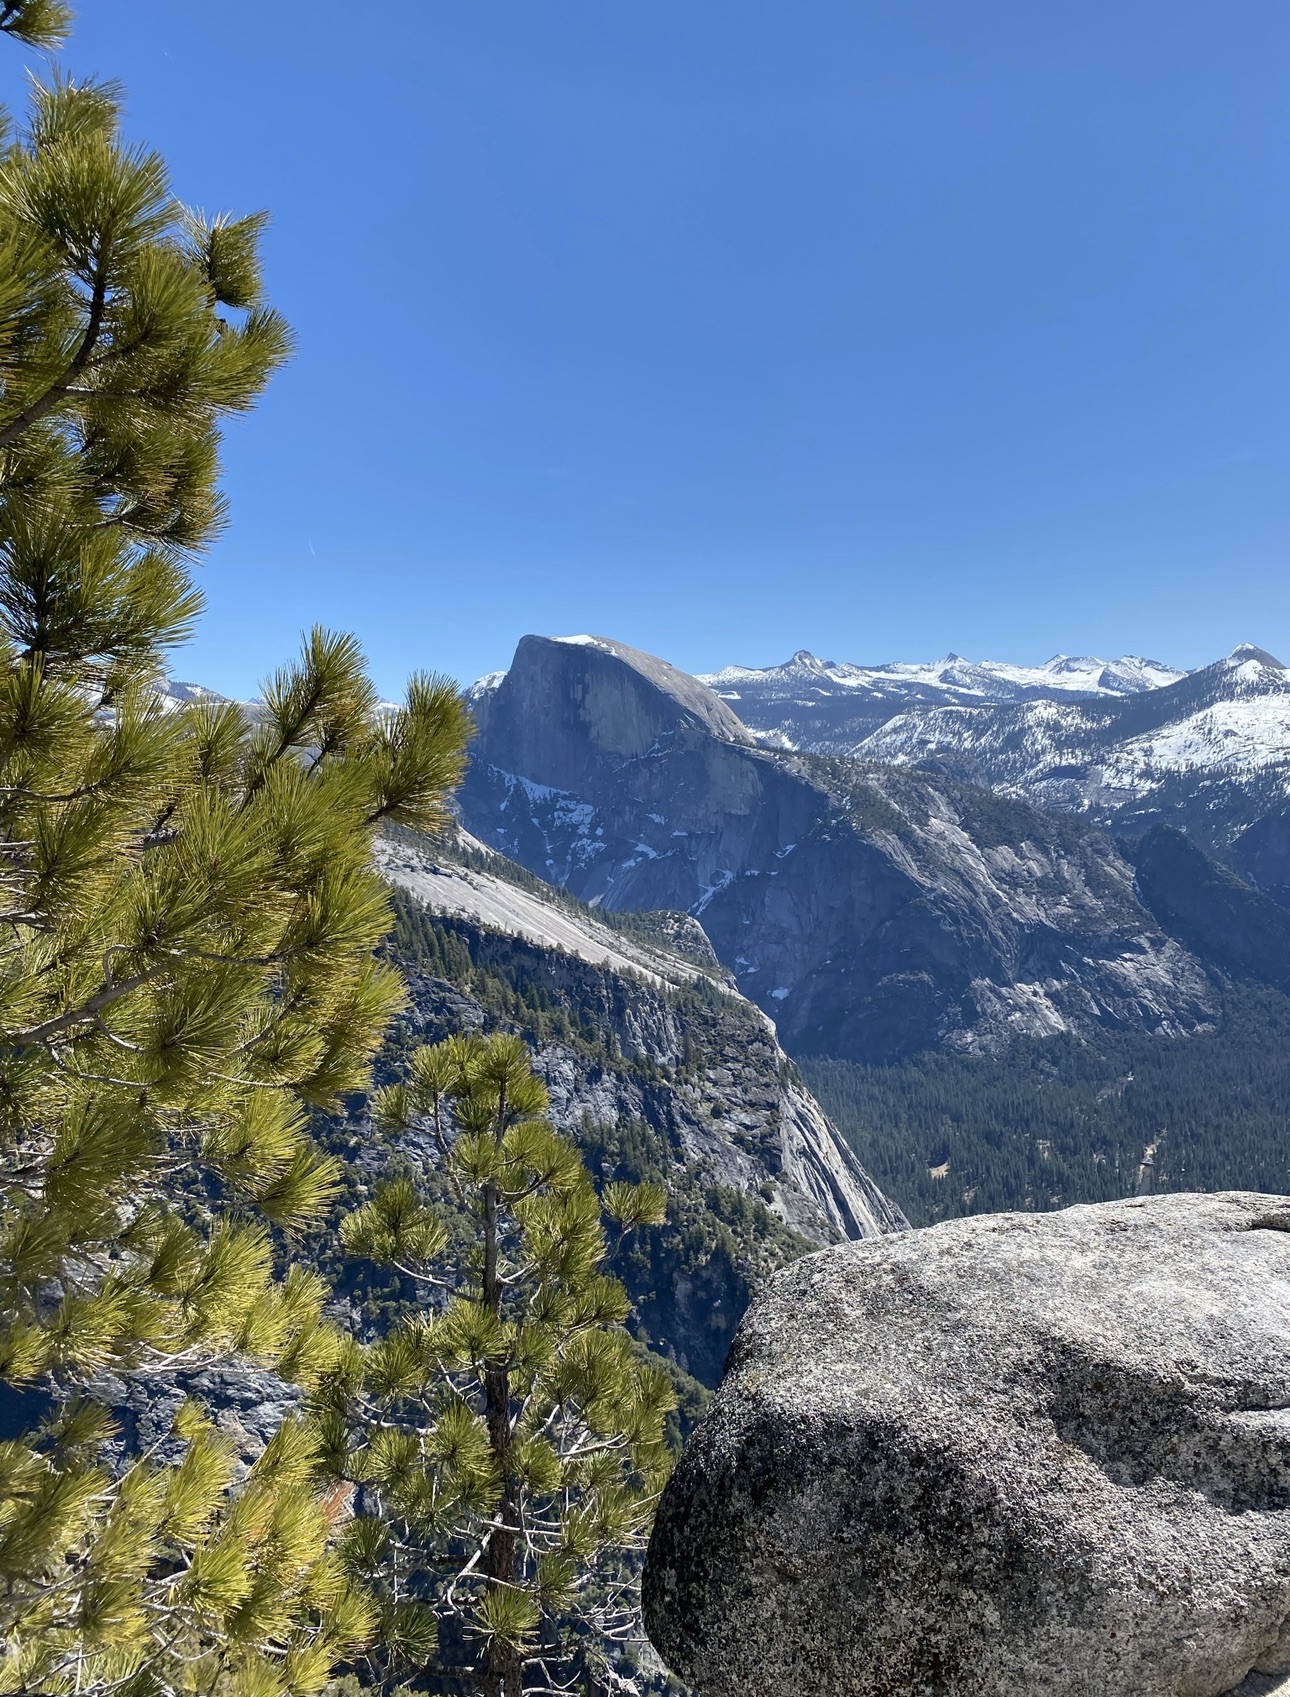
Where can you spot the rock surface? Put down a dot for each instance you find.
(1011, 1456)
(1217, 914)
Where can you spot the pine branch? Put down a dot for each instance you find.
(56, 392)
(36, 23)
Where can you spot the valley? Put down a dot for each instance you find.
(966, 933)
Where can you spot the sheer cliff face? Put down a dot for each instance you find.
(872, 911)
(716, 1082)
(567, 705)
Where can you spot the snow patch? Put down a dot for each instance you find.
(719, 883)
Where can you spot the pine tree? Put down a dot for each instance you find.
(38, 23)
(188, 913)
(507, 1437)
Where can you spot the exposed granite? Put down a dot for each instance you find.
(1010, 1456)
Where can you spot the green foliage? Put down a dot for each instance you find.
(511, 1434)
(1059, 1120)
(129, 327)
(691, 1277)
(188, 911)
(715, 1243)
(38, 23)
(449, 948)
(166, 1566)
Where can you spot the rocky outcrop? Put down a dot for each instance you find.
(655, 1065)
(1013, 1456)
(872, 912)
(568, 703)
(707, 1067)
(248, 1404)
(1261, 853)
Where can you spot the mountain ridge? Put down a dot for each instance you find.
(871, 910)
(956, 676)
(822, 1191)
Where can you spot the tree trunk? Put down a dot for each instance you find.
(504, 1674)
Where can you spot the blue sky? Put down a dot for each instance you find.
(726, 327)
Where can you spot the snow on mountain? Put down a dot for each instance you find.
(986, 680)
(830, 707)
(1225, 725)
(173, 694)
(1229, 737)
(1077, 732)
(1130, 674)
(1244, 731)
(485, 685)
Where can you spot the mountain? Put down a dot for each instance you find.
(1220, 915)
(827, 707)
(740, 1110)
(1131, 743)
(173, 694)
(1210, 752)
(874, 912)
(655, 1065)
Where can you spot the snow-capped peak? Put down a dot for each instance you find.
(485, 685)
(953, 677)
(173, 694)
(1063, 663)
(1245, 652)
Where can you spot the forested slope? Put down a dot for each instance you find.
(1060, 1120)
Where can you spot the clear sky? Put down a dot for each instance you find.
(728, 327)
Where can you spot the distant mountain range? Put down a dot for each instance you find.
(831, 707)
(825, 698)
(1131, 742)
